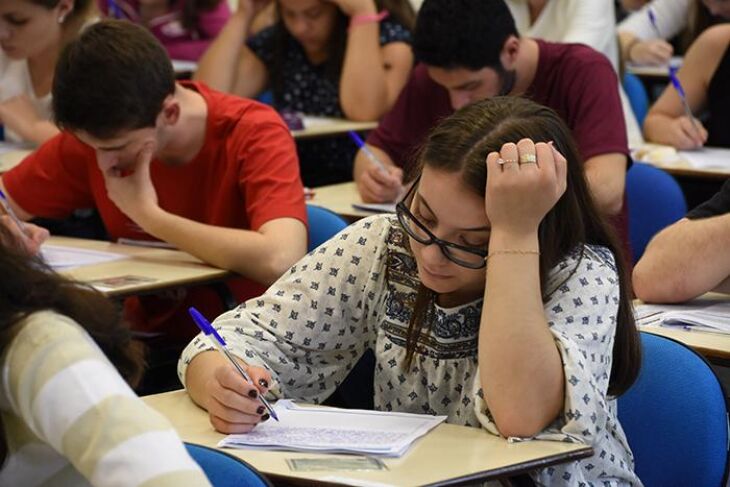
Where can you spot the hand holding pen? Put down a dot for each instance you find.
(377, 183)
(236, 402)
(689, 132)
(30, 236)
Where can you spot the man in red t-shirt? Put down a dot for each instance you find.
(211, 174)
(469, 50)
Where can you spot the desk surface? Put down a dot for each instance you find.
(681, 167)
(447, 455)
(161, 268)
(714, 346)
(11, 155)
(661, 71)
(325, 127)
(339, 198)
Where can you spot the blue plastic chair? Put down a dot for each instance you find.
(655, 201)
(638, 98)
(224, 470)
(675, 418)
(323, 225)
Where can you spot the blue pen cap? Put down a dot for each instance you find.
(205, 325)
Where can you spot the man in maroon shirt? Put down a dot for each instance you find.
(469, 50)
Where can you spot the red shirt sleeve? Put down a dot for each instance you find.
(269, 174)
(53, 181)
(420, 106)
(595, 109)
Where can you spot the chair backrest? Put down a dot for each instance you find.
(323, 225)
(675, 417)
(655, 201)
(638, 98)
(224, 470)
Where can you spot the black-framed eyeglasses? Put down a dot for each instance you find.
(465, 256)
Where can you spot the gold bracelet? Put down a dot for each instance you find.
(511, 252)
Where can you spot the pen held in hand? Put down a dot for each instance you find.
(220, 345)
(373, 158)
(683, 98)
(652, 20)
(9, 211)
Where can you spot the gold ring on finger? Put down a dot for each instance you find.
(528, 159)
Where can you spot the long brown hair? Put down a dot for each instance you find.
(461, 143)
(400, 10)
(28, 286)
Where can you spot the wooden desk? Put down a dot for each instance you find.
(446, 456)
(339, 198)
(165, 268)
(661, 71)
(325, 127)
(683, 168)
(11, 155)
(713, 346)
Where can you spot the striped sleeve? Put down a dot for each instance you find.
(72, 398)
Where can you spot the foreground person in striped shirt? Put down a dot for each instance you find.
(68, 416)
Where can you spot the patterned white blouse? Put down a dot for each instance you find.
(357, 291)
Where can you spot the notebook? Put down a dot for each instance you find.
(708, 316)
(375, 207)
(61, 257)
(334, 430)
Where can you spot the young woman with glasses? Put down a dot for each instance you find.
(497, 296)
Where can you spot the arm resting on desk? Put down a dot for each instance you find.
(262, 255)
(685, 260)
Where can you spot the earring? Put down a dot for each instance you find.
(61, 18)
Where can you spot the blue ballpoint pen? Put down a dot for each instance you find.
(680, 91)
(114, 10)
(373, 158)
(220, 344)
(9, 211)
(652, 19)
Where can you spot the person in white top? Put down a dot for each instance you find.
(67, 413)
(642, 43)
(589, 22)
(32, 33)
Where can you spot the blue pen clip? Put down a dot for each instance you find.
(675, 81)
(205, 325)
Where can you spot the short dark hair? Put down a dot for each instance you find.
(113, 77)
(462, 33)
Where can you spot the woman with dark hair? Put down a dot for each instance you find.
(645, 42)
(185, 27)
(705, 78)
(67, 413)
(32, 34)
(335, 58)
(497, 296)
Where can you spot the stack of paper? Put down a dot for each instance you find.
(702, 315)
(333, 430)
(60, 257)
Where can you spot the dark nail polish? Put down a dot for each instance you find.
(253, 394)
(264, 383)
(260, 410)
(265, 417)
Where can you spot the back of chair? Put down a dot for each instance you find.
(224, 470)
(323, 225)
(655, 201)
(675, 418)
(638, 98)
